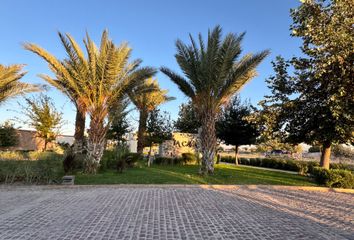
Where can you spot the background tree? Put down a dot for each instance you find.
(10, 86)
(275, 109)
(8, 135)
(119, 123)
(187, 121)
(43, 117)
(325, 75)
(214, 74)
(233, 127)
(159, 128)
(147, 97)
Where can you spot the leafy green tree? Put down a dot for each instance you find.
(8, 135)
(214, 73)
(159, 128)
(325, 79)
(187, 121)
(147, 97)
(119, 123)
(99, 82)
(233, 127)
(10, 86)
(43, 117)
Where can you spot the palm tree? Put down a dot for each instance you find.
(99, 83)
(214, 73)
(146, 97)
(69, 74)
(10, 86)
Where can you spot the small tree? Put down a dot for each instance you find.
(8, 135)
(233, 127)
(159, 128)
(187, 121)
(119, 124)
(43, 117)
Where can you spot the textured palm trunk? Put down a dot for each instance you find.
(208, 142)
(95, 145)
(143, 116)
(325, 155)
(79, 132)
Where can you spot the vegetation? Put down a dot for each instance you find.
(31, 172)
(8, 135)
(233, 127)
(316, 103)
(334, 177)
(187, 174)
(119, 124)
(43, 117)
(187, 121)
(10, 86)
(159, 128)
(70, 77)
(147, 97)
(95, 84)
(214, 74)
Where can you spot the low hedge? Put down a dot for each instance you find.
(30, 172)
(303, 167)
(337, 178)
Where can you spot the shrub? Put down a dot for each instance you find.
(313, 149)
(12, 155)
(334, 177)
(132, 159)
(73, 162)
(168, 161)
(41, 171)
(189, 158)
(342, 166)
(343, 151)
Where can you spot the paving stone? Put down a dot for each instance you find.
(173, 212)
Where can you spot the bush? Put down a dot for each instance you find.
(168, 161)
(73, 162)
(334, 177)
(343, 151)
(190, 158)
(41, 171)
(119, 158)
(314, 149)
(12, 155)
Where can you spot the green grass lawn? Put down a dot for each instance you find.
(188, 174)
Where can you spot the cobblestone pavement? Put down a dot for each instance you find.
(174, 212)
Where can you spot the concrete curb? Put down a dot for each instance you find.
(203, 186)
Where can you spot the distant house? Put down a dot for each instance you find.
(28, 141)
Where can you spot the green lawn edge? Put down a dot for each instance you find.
(225, 174)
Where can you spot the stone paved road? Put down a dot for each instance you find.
(174, 212)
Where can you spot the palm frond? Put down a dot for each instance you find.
(9, 83)
(182, 83)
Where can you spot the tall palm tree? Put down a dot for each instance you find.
(69, 74)
(99, 83)
(214, 73)
(10, 86)
(146, 97)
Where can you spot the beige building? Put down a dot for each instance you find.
(28, 141)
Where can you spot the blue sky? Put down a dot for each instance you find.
(150, 27)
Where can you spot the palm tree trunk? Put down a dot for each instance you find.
(95, 145)
(236, 154)
(79, 132)
(143, 116)
(207, 142)
(325, 155)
